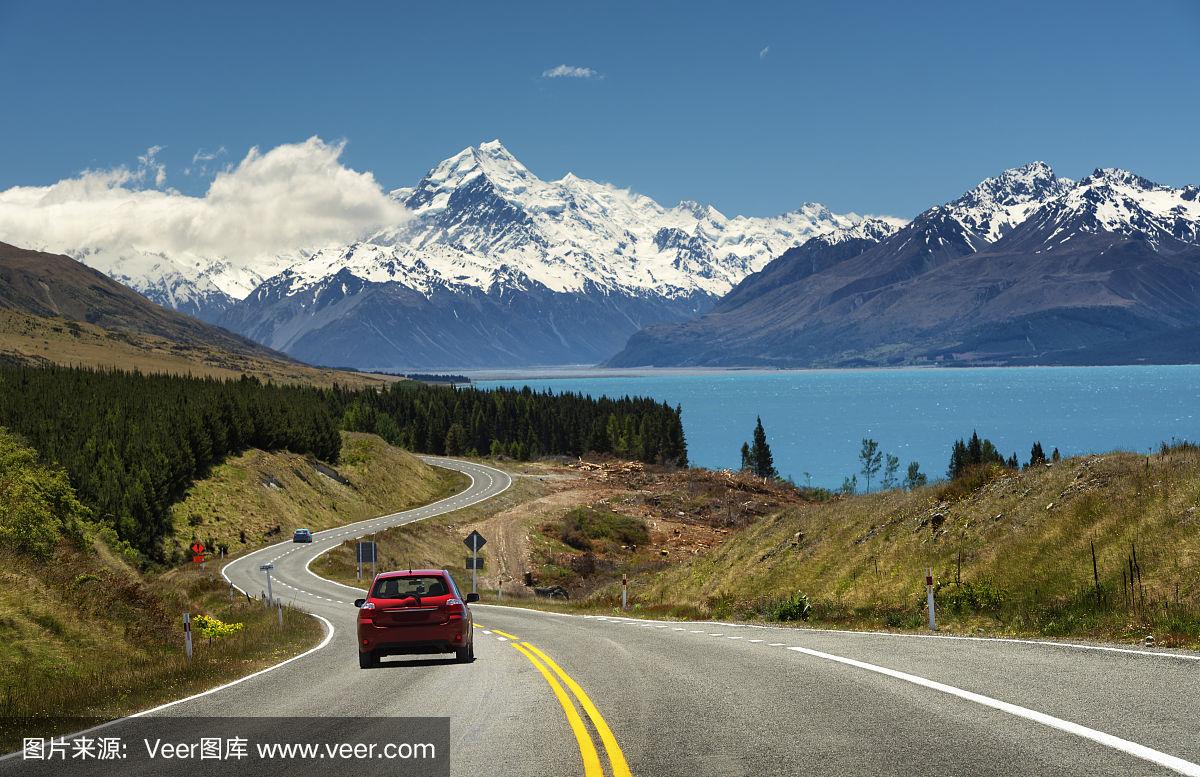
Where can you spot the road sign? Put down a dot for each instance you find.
(366, 552)
(475, 541)
(266, 567)
(197, 552)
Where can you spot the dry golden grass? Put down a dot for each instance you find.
(263, 497)
(87, 636)
(39, 340)
(1013, 555)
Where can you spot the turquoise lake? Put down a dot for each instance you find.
(816, 420)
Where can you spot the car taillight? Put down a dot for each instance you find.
(366, 612)
(367, 606)
(455, 608)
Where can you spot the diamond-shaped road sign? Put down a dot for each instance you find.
(475, 541)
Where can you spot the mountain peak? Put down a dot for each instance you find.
(1119, 177)
(999, 203)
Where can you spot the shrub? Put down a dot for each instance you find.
(208, 626)
(981, 596)
(584, 524)
(790, 608)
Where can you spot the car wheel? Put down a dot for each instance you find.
(464, 655)
(368, 660)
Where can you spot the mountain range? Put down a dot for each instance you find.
(492, 267)
(1026, 268)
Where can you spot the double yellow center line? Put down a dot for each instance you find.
(553, 674)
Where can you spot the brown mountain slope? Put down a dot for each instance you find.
(54, 285)
(54, 310)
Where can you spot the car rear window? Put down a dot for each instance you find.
(420, 586)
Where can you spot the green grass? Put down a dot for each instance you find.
(86, 634)
(258, 497)
(1011, 553)
(584, 527)
(106, 641)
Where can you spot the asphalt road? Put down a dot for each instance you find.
(697, 699)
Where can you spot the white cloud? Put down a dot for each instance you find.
(207, 156)
(764, 52)
(293, 196)
(570, 71)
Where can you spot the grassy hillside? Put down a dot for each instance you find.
(84, 633)
(268, 495)
(31, 339)
(55, 310)
(1011, 552)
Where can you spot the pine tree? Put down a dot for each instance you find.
(1055, 456)
(871, 459)
(914, 478)
(747, 458)
(890, 468)
(1036, 455)
(764, 462)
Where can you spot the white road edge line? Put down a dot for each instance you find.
(1108, 740)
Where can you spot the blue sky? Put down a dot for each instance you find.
(754, 107)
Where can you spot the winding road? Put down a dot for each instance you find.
(554, 694)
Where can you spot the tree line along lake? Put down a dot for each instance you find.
(816, 419)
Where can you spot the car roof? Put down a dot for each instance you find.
(411, 573)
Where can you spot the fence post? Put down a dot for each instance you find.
(929, 598)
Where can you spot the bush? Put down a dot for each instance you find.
(208, 626)
(39, 506)
(790, 608)
(968, 597)
(584, 524)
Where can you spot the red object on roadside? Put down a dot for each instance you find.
(197, 552)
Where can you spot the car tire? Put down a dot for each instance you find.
(368, 660)
(465, 655)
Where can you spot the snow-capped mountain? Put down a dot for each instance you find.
(482, 209)
(1024, 268)
(200, 286)
(996, 205)
(575, 265)
(1121, 204)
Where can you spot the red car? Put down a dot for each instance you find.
(414, 611)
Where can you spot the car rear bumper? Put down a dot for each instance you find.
(396, 640)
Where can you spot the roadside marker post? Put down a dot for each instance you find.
(929, 598)
(624, 591)
(267, 568)
(187, 635)
(281, 614)
(475, 543)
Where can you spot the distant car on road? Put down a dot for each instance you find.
(412, 612)
(302, 535)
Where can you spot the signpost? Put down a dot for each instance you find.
(197, 552)
(267, 568)
(187, 635)
(624, 591)
(366, 552)
(475, 543)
